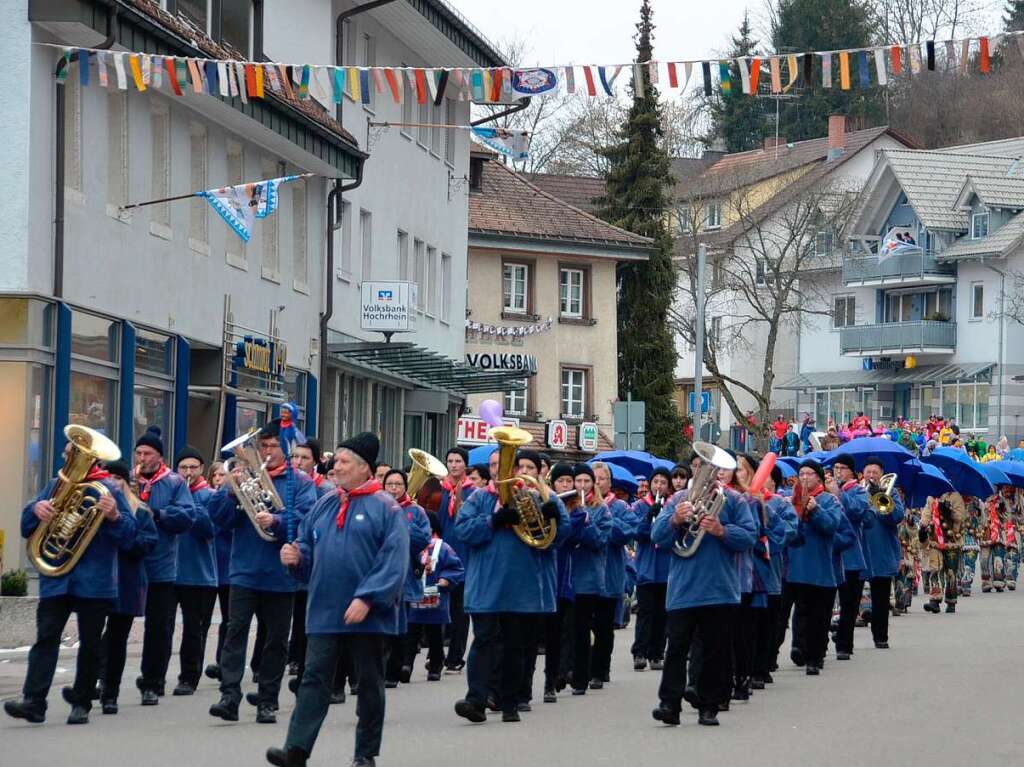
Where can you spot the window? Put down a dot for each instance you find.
(570, 293)
(94, 337)
(844, 314)
(270, 240)
(300, 237)
(685, 215)
(402, 258)
(345, 244)
(977, 300)
(715, 332)
(573, 392)
(432, 279)
(198, 207)
(95, 354)
(154, 383)
(713, 215)
(938, 304)
(514, 288)
(516, 401)
(369, 60)
(193, 10)
(435, 131)
(160, 172)
(236, 255)
(446, 287)
(73, 135)
(759, 271)
(979, 225)
(365, 245)
(154, 352)
(117, 152)
(92, 403)
(234, 24)
(899, 307)
(449, 133)
(823, 243)
(350, 49)
(423, 133)
(408, 97)
(420, 255)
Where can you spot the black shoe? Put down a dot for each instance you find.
(109, 706)
(812, 670)
(769, 679)
(550, 696)
(293, 684)
(639, 663)
(433, 676)
(657, 664)
(293, 669)
(405, 675)
(212, 671)
(740, 693)
(363, 761)
(390, 684)
(184, 688)
(756, 683)
(579, 690)
(691, 697)
(951, 608)
(842, 655)
(265, 714)
(881, 645)
(78, 715)
(150, 698)
(932, 607)
(455, 668)
(225, 709)
(708, 717)
(723, 706)
(337, 697)
(292, 757)
(470, 711)
(797, 656)
(510, 716)
(596, 684)
(524, 707)
(28, 710)
(492, 704)
(666, 715)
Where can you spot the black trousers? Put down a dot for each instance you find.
(743, 641)
(394, 656)
(196, 615)
(158, 639)
(458, 629)
(552, 626)
(115, 653)
(649, 636)
(782, 618)
(313, 700)
(604, 636)
(765, 648)
(813, 618)
(433, 634)
(881, 588)
(224, 600)
(257, 648)
(593, 614)
(499, 641)
(52, 615)
(715, 623)
(274, 610)
(849, 607)
(531, 644)
(345, 672)
(297, 643)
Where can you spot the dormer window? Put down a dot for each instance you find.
(979, 225)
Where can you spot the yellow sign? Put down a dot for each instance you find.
(260, 357)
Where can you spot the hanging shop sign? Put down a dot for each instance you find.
(587, 437)
(526, 363)
(558, 435)
(475, 431)
(388, 307)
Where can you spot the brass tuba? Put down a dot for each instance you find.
(706, 494)
(254, 489)
(424, 466)
(56, 545)
(880, 498)
(533, 530)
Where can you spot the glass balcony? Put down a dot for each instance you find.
(916, 266)
(898, 338)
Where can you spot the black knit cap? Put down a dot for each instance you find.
(271, 431)
(188, 452)
(366, 446)
(874, 460)
(583, 468)
(459, 451)
(845, 459)
(816, 467)
(530, 455)
(559, 470)
(119, 469)
(663, 472)
(153, 438)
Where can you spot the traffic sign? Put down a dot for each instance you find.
(705, 401)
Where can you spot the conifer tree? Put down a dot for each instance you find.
(736, 117)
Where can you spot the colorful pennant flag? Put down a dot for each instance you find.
(514, 144)
(240, 205)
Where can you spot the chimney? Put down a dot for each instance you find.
(715, 152)
(836, 136)
(775, 144)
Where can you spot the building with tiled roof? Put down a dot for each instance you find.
(542, 298)
(581, 192)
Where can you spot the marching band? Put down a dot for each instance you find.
(728, 557)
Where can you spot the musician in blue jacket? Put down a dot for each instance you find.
(652, 567)
(353, 551)
(131, 589)
(196, 584)
(455, 489)
(882, 552)
(854, 500)
(89, 590)
(811, 569)
(222, 545)
(507, 586)
(703, 593)
(167, 496)
(259, 583)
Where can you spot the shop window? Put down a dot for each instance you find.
(295, 388)
(94, 337)
(93, 403)
(154, 352)
(152, 408)
(26, 322)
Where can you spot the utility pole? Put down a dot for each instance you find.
(698, 364)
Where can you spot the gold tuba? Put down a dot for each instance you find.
(55, 547)
(254, 489)
(424, 466)
(533, 530)
(706, 494)
(880, 499)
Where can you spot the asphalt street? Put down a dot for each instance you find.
(946, 693)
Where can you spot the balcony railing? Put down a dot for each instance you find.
(903, 267)
(898, 337)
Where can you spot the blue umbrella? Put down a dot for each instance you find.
(892, 454)
(787, 470)
(663, 463)
(1014, 470)
(481, 454)
(792, 461)
(636, 462)
(622, 478)
(928, 482)
(1017, 454)
(962, 471)
(995, 475)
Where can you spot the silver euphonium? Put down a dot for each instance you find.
(706, 494)
(253, 488)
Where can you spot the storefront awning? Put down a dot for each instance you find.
(428, 369)
(838, 379)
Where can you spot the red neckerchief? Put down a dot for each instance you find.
(96, 472)
(318, 479)
(198, 485)
(275, 473)
(405, 501)
(940, 538)
(609, 498)
(993, 521)
(849, 484)
(286, 417)
(798, 499)
(449, 486)
(369, 487)
(588, 498)
(146, 485)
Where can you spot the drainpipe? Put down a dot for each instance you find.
(1002, 326)
(60, 158)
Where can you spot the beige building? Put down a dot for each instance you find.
(542, 283)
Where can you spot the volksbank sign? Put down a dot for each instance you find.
(388, 306)
(526, 363)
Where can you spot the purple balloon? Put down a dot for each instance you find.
(491, 412)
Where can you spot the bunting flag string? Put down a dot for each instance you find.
(248, 80)
(501, 331)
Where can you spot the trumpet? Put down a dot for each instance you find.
(880, 496)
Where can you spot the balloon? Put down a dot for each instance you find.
(491, 412)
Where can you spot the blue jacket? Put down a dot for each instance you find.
(779, 533)
(95, 575)
(419, 536)
(132, 582)
(652, 562)
(173, 511)
(503, 574)
(810, 553)
(222, 542)
(549, 562)
(366, 559)
(197, 551)
(710, 576)
(448, 522)
(743, 558)
(624, 524)
(882, 543)
(590, 553)
(855, 506)
(449, 567)
(845, 539)
(256, 563)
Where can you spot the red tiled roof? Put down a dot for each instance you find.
(508, 204)
(578, 191)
